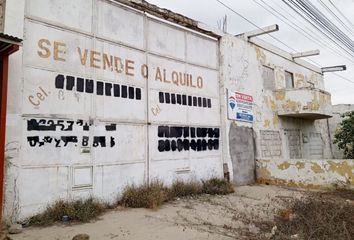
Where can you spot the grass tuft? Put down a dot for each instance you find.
(183, 189)
(148, 196)
(155, 194)
(77, 211)
(319, 216)
(217, 186)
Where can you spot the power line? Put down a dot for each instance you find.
(336, 17)
(308, 9)
(344, 78)
(315, 34)
(316, 27)
(340, 12)
(300, 30)
(255, 25)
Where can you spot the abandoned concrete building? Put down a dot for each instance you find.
(105, 93)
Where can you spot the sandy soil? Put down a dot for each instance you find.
(206, 217)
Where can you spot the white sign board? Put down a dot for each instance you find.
(240, 106)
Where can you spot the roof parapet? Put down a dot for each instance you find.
(173, 17)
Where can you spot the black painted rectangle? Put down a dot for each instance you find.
(199, 102)
(79, 84)
(195, 101)
(70, 83)
(99, 89)
(209, 103)
(161, 97)
(190, 102)
(185, 132)
(108, 89)
(167, 98)
(116, 90)
(124, 91)
(184, 100)
(204, 102)
(192, 132)
(173, 98)
(131, 92)
(59, 81)
(179, 100)
(138, 93)
(89, 86)
(173, 132)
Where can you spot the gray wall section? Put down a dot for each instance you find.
(333, 124)
(242, 152)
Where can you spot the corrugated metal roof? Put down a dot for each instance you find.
(7, 37)
(7, 41)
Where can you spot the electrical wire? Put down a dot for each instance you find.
(316, 27)
(255, 25)
(336, 17)
(291, 24)
(309, 10)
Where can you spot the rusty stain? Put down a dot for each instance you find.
(272, 104)
(266, 123)
(275, 120)
(280, 95)
(316, 168)
(299, 80)
(291, 106)
(291, 183)
(300, 165)
(313, 78)
(324, 98)
(343, 168)
(263, 172)
(314, 104)
(284, 165)
(260, 55)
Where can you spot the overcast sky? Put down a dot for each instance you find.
(210, 11)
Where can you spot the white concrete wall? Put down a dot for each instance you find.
(66, 141)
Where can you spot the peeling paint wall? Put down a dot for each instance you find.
(303, 100)
(242, 69)
(306, 173)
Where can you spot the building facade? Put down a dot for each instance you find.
(104, 93)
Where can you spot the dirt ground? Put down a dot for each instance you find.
(234, 216)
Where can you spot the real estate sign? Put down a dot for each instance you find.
(240, 106)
